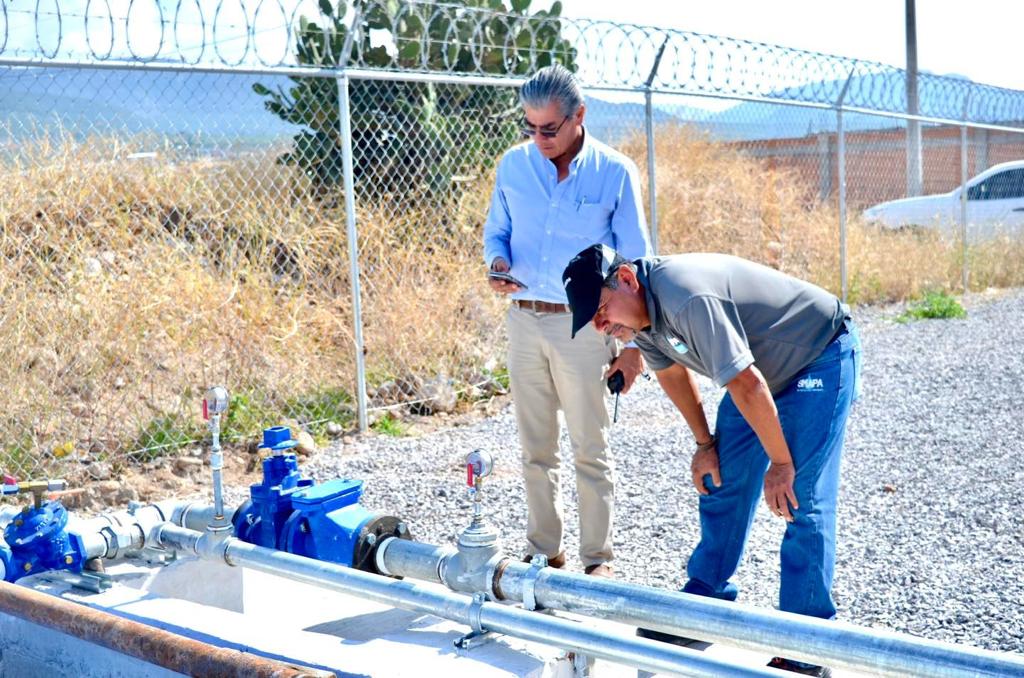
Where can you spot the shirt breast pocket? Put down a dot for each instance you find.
(591, 221)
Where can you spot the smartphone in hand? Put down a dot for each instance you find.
(507, 277)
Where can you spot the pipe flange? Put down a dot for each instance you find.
(495, 567)
(538, 563)
(499, 570)
(373, 534)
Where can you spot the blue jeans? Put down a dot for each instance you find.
(813, 410)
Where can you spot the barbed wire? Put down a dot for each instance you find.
(233, 33)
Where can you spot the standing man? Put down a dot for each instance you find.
(551, 197)
(788, 354)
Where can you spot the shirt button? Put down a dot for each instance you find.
(554, 204)
(543, 258)
(548, 232)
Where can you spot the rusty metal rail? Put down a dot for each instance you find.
(155, 646)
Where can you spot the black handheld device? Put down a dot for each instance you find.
(615, 383)
(507, 277)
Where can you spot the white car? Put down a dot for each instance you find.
(995, 204)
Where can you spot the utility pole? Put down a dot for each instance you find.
(915, 178)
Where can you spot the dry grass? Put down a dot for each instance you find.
(714, 198)
(128, 286)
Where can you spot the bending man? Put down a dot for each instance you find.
(788, 356)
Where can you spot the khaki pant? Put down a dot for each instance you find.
(549, 371)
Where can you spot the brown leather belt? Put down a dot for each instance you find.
(541, 306)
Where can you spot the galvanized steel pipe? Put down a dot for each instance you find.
(795, 636)
(415, 559)
(476, 613)
(779, 633)
(112, 534)
(179, 539)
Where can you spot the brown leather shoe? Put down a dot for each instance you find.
(557, 562)
(600, 570)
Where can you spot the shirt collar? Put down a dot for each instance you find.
(585, 151)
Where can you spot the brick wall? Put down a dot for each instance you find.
(876, 161)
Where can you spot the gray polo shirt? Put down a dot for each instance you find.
(718, 314)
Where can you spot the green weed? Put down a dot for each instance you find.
(247, 415)
(935, 304)
(390, 426)
(499, 376)
(164, 435)
(16, 458)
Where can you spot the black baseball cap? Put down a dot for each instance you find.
(583, 279)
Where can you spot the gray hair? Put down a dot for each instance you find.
(552, 83)
(611, 281)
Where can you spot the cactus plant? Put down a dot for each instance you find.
(410, 138)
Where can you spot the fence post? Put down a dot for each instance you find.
(915, 177)
(651, 198)
(649, 122)
(345, 129)
(963, 197)
(841, 160)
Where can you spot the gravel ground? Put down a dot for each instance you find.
(931, 511)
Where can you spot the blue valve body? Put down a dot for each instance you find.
(291, 513)
(262, 518)
(38, 540)
(327, 521)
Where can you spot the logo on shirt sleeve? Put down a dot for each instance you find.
(679, 346)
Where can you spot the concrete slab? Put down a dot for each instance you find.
(294, 622)
(303, 624)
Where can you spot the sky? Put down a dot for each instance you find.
(979, 39)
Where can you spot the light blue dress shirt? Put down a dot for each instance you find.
(538, 223)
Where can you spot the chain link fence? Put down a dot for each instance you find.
(183, 183)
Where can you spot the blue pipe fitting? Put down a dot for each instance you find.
(261, 520)
(278, 439)
(327, 522)
(291, 513)
(38, 541)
